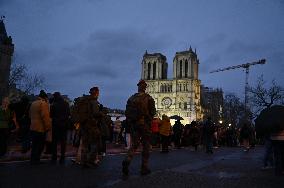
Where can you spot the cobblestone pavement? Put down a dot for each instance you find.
(227, 167)
(14, 152)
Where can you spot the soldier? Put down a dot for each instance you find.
(140, 110)
(90, 131)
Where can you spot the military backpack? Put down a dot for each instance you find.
(81, 111)
(137, 107)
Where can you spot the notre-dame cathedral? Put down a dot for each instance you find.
(6, 53)
(179, 95)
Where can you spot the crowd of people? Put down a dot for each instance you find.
(46, 123)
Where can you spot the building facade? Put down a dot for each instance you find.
(212, 103)
(179, 95)
(6, 53)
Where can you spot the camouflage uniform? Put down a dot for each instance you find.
(140, 130)
(91, 135)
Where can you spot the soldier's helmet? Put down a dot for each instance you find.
(93, 89)
(142, 83)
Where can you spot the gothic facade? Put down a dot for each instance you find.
(6, 53)
(179, 95)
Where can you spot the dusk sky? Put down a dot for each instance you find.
(77, 44)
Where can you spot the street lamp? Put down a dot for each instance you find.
(220, 121)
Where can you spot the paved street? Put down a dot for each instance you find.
(227, 167)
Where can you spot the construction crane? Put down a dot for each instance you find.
(245, 66)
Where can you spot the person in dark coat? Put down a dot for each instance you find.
(60, 114)
(126, 130)
(194, 135)
(208, 134)
(24, 121)
(245, 135)
(178, 130)
(6, 116)
(105, 123)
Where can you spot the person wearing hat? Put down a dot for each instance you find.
(40, 124)
(140, 110)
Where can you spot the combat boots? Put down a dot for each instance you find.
(125, 170)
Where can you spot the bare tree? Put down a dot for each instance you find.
(234, 109)
(23, 80)
(263, 97)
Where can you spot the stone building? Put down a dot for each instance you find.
(6, 53)
(212, 103)
(179, 95)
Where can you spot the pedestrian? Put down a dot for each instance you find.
(6, 117)
(245, 134)
(116, 130)
(60, 114)
(24, 121)
(126, 130)
(165, 130)
(208, 135)
(186, 135)
(77, 143)
(268, 153)
(278, 149)
(140, 110)
(90, 130)
(194, 135)
(104, 129)
(155, 141)
(40, 124)
(177, 130)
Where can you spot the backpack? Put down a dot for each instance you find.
(137, 107)
(81, 110)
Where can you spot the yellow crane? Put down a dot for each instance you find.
(245, 66)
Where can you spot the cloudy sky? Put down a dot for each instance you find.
(77, 44)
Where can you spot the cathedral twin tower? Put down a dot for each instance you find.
(179, 95)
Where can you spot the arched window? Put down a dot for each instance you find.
(154, 70)
(186, 68)
(180, 68)
(185, 105)
(149, 71)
